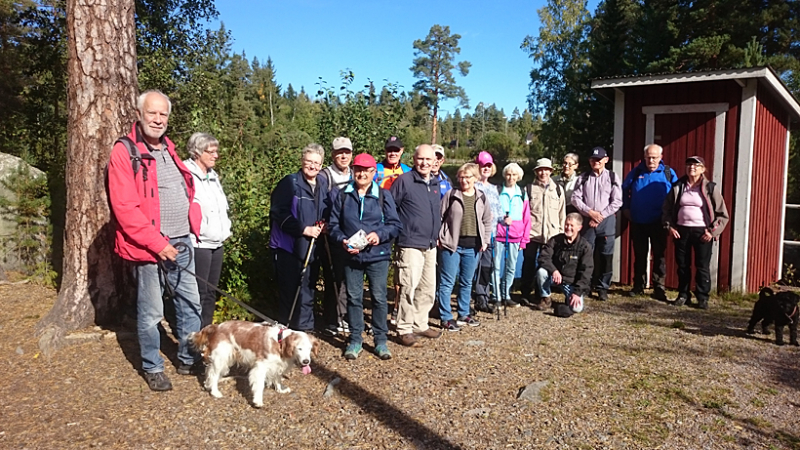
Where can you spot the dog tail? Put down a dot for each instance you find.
(199, 340)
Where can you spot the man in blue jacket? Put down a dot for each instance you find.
(417, 196)
(643, 193)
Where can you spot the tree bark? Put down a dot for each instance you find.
(101, 95)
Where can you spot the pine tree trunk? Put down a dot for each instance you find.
(101, 95)
(435, 120)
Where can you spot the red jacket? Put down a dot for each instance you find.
(135, 202)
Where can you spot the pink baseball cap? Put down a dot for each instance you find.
(484, 158)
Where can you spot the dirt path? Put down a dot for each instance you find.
(627, 374)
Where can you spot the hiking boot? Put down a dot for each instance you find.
(196, 369)
(681, 300)
(602, 295)
(485, 307)
(702, 304)
(636, 292)
(468, 321)
(543, 305)
(352, 351)
(450, 325)
(408, 340)
(382, 352)
(331, 330)
(659, 294)
(158, 381)
(525, 302)
(510, 303)
(430, 333)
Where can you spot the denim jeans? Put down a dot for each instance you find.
(150, 307)
(460, 263)
(504, 276)
(544, 283)
(377, 273)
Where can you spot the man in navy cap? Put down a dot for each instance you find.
(598, 196)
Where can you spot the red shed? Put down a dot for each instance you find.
(738, 120)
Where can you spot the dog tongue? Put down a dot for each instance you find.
(306, 370)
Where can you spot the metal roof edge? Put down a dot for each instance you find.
(765, 73)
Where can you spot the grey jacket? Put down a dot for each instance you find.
(453, 213)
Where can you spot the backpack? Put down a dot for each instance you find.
(585, 176)
(329, 176)
(529, 190)
(135, 155)
(638, 171)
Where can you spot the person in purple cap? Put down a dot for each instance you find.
(484, 286)
(695, 214)
(598, 196)
(363, 206)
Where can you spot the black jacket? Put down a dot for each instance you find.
(574, 261)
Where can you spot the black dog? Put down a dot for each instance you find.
(780, 309)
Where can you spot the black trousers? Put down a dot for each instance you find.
(287, 271)
(208, 265)
(482, 286)
(529, 266)
(334, 303)
(643, 236)
(690, 242)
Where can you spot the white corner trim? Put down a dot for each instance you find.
(743, 188)
(616, 166)
(685, 109)
(783, 194)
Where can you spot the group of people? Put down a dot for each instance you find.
(357, 217)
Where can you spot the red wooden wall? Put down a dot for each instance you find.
(769, 163)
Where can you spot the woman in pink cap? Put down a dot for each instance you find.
(487, 169)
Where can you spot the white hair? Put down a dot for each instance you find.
(199, 143)
(313, 148)
(660, 148)
(514, 168)
(140, 100)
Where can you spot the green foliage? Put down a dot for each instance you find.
(500, 145)
(29, 208)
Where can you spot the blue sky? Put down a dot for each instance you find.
(308, 39)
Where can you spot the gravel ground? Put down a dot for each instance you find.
(628, 373)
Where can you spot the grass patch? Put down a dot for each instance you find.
(758, 422)
(757, 402)
(678, 324)
(738, 299)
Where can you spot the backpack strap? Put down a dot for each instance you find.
(135, 155)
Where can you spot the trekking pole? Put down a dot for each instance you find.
(336, 285)
(495, 286)
(302, 274)
(505, 257)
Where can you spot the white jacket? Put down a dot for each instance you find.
(216, 226)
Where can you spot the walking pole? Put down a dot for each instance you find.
(336, 285)
(505, 257)
(495, 287)
(302, 274)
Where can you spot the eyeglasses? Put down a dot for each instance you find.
(311, 163)
(211, 152)
(568, 163)
(466, 177)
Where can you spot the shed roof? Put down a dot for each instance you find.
(765, 74)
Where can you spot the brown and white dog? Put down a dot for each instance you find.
(268, 351)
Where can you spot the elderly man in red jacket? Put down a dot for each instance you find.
(151, 194)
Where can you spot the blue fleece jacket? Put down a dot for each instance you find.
(643, 192)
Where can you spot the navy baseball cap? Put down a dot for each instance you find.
(598, 153)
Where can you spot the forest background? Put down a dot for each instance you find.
(262, 125)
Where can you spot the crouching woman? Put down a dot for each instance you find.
(363, 205)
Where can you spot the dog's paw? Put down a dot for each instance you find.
(751, 331)
(780, 343)
(796, 344)
(282, 390)
(216, 393)
(258, 405)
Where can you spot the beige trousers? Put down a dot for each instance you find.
(417, 269)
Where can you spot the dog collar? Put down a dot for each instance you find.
(280, 334)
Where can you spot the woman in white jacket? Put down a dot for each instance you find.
(216, 227)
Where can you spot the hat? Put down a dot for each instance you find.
(342, 143)
(484, 158)
(598, 153)
(394, 142)
(364, 160)
(543, 163)
(696, 159)
(438, 149)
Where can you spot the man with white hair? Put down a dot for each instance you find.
(151, 193)
(643, 194)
